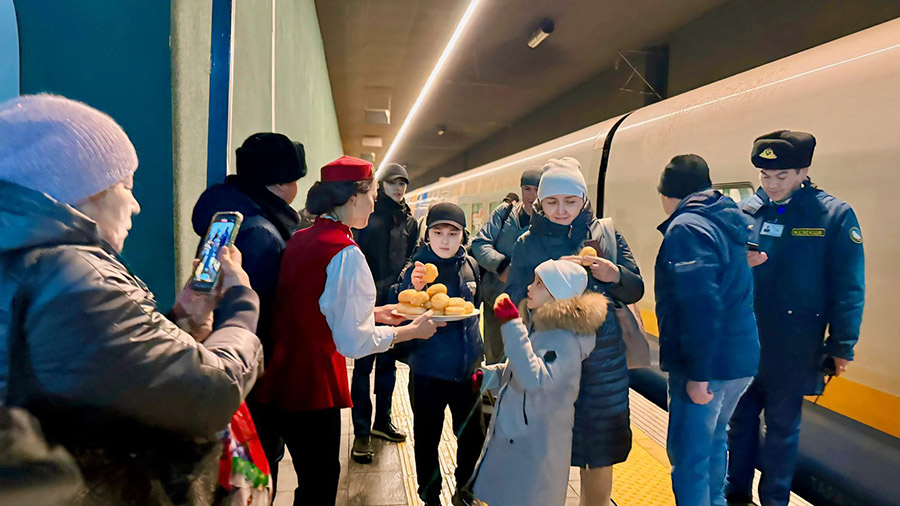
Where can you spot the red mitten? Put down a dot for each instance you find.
(504, 309)
(477, 380)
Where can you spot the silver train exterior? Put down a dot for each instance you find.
(847, 93)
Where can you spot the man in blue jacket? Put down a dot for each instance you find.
(493, 247)
(708, 341)
(809, 275)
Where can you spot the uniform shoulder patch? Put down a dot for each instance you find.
(856, 235)
(808, 232)
(550, 357)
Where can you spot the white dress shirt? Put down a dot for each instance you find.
(348, 304)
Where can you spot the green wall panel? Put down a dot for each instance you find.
(114, 55)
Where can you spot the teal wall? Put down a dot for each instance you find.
(146, 63)
(114, 55)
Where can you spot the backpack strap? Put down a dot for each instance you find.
(606, 230)
(509, 210)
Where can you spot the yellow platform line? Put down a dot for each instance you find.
(643, 479)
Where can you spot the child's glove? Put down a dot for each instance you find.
(504, 309)
(477, 380)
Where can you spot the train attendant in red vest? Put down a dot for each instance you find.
(325, 311)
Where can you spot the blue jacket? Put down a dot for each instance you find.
(704, 291)
(813, 280)
(493, 246)
(455, 351)
(602, 435)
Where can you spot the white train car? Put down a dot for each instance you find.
(847, 93)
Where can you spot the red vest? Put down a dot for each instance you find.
(306, 372)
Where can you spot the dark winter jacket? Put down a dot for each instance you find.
(814, 279)
(602, 434)
(455, 351)
(493, 246)
(388, 242)
(704, 291)
(134, 399)
(268, 224)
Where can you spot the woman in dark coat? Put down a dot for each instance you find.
(561, 227)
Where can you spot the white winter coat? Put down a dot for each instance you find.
(525, 460)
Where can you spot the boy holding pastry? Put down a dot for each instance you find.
(442, 367)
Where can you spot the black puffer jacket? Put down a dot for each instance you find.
(602, 434)
(268, 224)
(137, 401)
(388, 242)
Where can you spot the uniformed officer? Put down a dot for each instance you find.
(808, 277)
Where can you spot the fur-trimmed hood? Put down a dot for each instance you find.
(581, 315)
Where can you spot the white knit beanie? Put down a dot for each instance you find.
(61, 147)
(562, 177)
(562, 278)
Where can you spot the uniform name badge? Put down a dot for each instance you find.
(772, 229)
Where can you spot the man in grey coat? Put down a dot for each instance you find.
(492, 249)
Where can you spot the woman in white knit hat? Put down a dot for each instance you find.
(136, 400)
(562, 226)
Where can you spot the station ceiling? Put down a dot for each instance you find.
(381, 51)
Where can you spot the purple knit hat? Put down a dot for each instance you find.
(61, 147)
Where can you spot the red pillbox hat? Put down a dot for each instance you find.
(346, 168)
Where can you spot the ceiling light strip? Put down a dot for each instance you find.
(463, 22)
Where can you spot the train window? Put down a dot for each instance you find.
(477, 217)
(494, 205)
(738, 191)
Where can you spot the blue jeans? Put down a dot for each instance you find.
(385, 377)
(697, 440)
(781, 407)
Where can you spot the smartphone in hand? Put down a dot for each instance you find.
(752, 246)
(222, 231)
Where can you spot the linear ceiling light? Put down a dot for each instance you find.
(463, 22)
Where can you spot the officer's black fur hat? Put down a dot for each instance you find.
(783, 150)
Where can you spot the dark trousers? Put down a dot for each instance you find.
(385, 377)
(265, 418)
(431, 397)
(781, 408)
(314, 440)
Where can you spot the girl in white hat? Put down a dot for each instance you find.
(526, 457)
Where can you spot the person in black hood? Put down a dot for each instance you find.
(708, 341)
(268, 168)
(388, 243)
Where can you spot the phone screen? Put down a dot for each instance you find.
(221, 233)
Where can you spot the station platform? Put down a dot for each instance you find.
(642, 480)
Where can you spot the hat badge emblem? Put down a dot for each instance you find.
(768, 154)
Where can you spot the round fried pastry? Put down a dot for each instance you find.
(469, 307)
(431, 273)
(436, 289)
(588, 251)
(419, 299)
(440, 301)
(407, 309)
(406, 295)
(456, 302)
(455, 311)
